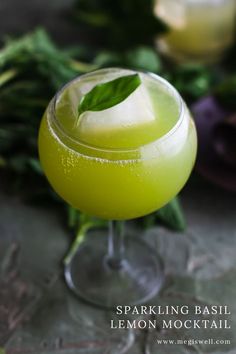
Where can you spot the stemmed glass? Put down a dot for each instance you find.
(116, 184)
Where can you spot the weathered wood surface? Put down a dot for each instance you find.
(39, 315)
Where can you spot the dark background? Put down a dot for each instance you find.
(18, 17)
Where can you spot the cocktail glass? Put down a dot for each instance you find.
(124, 182)
(199, 30)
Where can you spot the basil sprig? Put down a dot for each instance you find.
(109, 94)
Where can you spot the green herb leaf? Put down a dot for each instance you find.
(144, 58)
(109, 94)
(35, 165)
(172, 215)
(117, 23)
(225, 92)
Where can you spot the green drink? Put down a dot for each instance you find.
(118, 163)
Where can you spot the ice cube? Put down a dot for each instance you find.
(136, 109)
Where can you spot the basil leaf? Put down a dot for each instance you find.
(144, 58)
(225, 92)
(109, 94)
(172, 215)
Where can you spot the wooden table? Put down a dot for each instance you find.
(38, 314)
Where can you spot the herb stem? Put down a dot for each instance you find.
(79, 238)
(86, 223)
(7, 76)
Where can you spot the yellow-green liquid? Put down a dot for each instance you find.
(115, 183)
(198, 30)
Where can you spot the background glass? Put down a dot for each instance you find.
(199, 30)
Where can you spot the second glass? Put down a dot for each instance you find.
(199, 30)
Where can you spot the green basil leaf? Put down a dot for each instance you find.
(225, 92)
(144, 58)
(172, 215)
(109, 94)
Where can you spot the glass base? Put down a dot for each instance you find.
(98, 280)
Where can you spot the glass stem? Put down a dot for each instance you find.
(115, 255)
